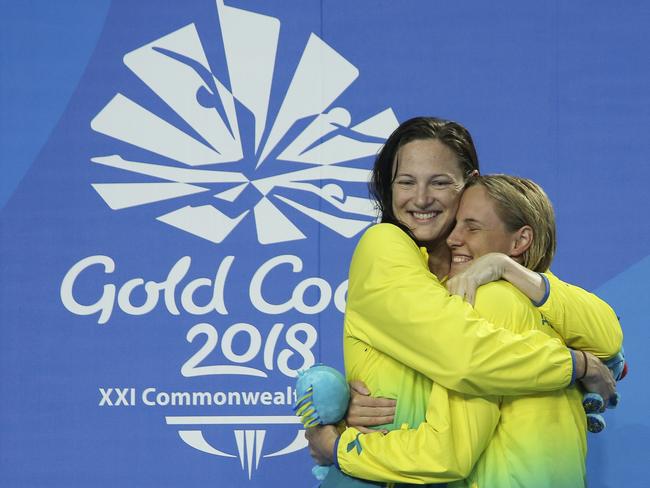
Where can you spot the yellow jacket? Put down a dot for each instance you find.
(401, 320)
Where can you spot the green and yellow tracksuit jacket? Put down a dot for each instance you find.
(406, 338)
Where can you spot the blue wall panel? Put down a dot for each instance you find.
(184, 144)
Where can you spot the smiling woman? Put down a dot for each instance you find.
(506, 214)
(538, 440)
(426, 188)
(410, 341)
(418, 178)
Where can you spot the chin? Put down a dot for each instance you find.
(427, 235)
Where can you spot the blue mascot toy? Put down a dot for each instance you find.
(322, 398)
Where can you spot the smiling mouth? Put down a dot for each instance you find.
(424, 216)
(461, 259)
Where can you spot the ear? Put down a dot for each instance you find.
(522, 240)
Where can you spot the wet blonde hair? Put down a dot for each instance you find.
(519, 202)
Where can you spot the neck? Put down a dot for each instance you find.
(439, 258)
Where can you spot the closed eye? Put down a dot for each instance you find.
(440, 183)
(405, 182)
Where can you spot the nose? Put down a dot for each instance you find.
(455, 239)
(423, 198)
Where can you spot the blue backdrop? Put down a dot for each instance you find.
(183, 185)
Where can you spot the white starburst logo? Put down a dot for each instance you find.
(204, 130)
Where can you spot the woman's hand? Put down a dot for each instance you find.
(496, 266)
(365, 411)
(321, 441)
(487, 268)
(599, 378)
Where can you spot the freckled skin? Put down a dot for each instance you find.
(426, 189)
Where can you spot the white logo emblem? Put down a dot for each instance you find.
(198, 127)
(205, 147)
(250, 438)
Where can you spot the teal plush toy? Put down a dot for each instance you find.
(322, 398)
(594, 404)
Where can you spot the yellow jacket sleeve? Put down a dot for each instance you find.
(582, 319)
(443, 448)
(397, 306)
